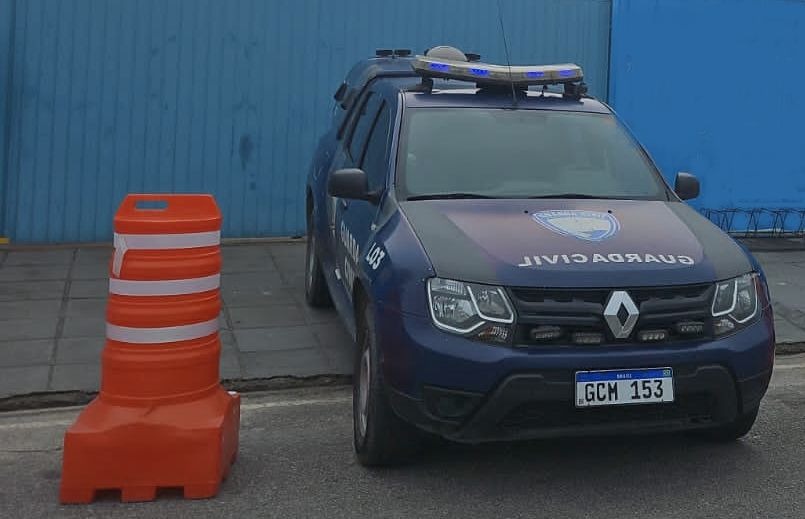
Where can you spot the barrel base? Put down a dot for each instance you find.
(137, 450)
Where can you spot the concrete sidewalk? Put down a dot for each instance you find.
(785, 272)
(52, 316)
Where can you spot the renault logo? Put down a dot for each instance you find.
(621, 314)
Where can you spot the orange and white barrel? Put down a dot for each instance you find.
(164, 300)
(161, 418)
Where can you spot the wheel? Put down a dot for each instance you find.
(380, 437)
(316, 292)
(732, 431)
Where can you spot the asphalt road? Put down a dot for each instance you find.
(296, 461)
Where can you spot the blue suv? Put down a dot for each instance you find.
(512, 265)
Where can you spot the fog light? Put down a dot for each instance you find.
(450, 405)
(494, 333)
(690, 328)
(545, 333)
(587, 338)
(652, 335)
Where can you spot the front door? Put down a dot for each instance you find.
(355, 219)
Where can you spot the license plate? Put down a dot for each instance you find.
(624, 386)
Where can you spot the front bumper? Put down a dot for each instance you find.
(540, 404)
(473, 392)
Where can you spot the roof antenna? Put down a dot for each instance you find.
(506, 49)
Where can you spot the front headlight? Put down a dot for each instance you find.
(735, 303)
(477, 311)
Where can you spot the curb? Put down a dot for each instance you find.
(790, 348)
(44, 400)
(772, 244)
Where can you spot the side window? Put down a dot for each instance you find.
(375, 158)
(348, 117)
(365, 119)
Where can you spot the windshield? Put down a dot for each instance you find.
(495, 153)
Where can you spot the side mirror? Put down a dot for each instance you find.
(686, 186)
(350, 183)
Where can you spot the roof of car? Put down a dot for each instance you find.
(368, 69)
(475, 98)
(394, 75)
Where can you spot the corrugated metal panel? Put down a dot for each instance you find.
(720, 98)
(6, 46)
(226, 97)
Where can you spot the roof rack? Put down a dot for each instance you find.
(393, 53)
(451, 63)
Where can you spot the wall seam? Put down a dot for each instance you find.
(607, 92)
(5, 164)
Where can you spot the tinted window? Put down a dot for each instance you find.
(348, 121)
(375, 159)
(366, 117)
(523, 153)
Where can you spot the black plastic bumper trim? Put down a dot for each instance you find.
(727, 398)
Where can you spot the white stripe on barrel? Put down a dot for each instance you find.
(187, 332)
(124, 242)
(172, 287)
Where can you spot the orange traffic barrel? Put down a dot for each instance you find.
(161, 418)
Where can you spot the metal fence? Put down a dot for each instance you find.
(759, 222)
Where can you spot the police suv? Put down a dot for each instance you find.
(512, 264)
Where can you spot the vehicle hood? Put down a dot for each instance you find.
(573, 243)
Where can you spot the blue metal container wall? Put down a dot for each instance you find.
(714, 88)
(227, 97)
(6, 45)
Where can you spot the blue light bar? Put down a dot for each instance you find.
(488, 74)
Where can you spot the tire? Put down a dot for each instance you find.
(317, 294)
(380, 437)
(732, 431)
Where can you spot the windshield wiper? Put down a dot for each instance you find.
(449, 196)
(576, 196)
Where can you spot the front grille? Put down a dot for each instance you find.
(581, 310)
(696, 408)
